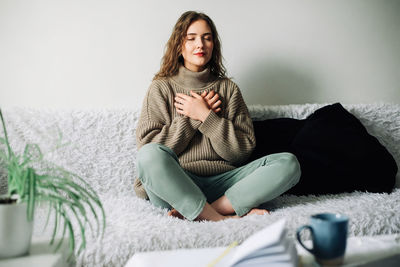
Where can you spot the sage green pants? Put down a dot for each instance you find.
(168, 185)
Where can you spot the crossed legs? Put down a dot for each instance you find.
(169, 186)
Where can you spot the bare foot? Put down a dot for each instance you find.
(176, 214)
(258, 212)
(209, 214)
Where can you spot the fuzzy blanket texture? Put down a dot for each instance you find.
(100, 146)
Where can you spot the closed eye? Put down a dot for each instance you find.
(192, 36)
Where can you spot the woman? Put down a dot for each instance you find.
(195, 131)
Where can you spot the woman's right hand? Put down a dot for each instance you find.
(212, 100)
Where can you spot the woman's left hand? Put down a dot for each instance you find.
(212, 99)
(194, 106)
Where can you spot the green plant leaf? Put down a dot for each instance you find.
(5, 134)
(32, 153)
(62, 237)
(31, 196)
(82, 229)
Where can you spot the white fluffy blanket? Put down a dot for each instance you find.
(101, 147)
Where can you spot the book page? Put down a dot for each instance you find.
(200, 257)
(281, 248)
(269, 236)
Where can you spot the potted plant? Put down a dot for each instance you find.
(31, 181)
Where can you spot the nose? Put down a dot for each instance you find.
(199, 42)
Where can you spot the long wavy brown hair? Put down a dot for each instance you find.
(172, 58)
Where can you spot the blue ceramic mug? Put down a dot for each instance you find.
(329, 237)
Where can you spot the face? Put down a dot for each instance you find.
(198, 46)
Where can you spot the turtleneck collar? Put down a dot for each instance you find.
(192, 80)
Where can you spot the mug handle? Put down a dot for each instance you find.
(301, 228)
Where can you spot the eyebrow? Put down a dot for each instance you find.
(207, 33)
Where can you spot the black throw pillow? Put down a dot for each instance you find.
(335, 152)
(274, 136)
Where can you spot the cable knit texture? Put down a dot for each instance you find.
(219, 144)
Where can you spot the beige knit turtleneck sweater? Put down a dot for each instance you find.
(219, 144)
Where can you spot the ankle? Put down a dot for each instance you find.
(223, 206)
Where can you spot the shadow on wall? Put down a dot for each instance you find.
(276, 83)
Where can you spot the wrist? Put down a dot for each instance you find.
(205, 115)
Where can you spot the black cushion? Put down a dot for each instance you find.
(335, 152)
(275, 135)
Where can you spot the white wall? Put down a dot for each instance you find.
(96, 53)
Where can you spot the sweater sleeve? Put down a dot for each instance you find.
(157, 123)
(231, 136)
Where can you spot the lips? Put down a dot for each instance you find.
(200, 54)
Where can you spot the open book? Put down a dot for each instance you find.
(267, 247)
